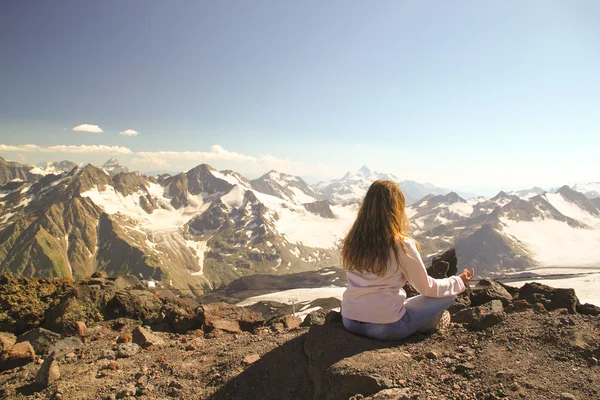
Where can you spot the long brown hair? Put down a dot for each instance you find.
(381, 224)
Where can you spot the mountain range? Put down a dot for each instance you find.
(204, 228)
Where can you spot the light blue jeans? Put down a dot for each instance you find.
(420, 311)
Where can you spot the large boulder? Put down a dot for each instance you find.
(176, 317)
(227, 317)
(551, 298)
(137, 304)
(487, 290)
(41, 339)
(342, 364)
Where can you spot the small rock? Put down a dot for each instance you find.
(65, 345)
(71, 356)
(251, 358)
(464, 367)
(144, 338)
(48, 372)
(7, 340)
(126, 350)
(18, 355)
(81, 329)
(391, 394)
(124, 338)
(176, 384)
(316, 317)
(432, 355)
(113, 366)
(567, 396)
(128, 391)
(109, 354)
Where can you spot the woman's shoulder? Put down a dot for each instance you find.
(407, 243)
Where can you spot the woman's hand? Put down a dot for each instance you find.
(467, 275)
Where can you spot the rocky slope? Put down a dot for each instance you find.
(11, 171)
(62, 340)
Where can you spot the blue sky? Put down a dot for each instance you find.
(465, 94)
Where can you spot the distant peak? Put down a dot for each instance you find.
(364, 170)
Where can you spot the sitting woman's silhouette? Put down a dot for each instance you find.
(380, 257)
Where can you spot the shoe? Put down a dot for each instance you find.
(440, 322)
(444, 322)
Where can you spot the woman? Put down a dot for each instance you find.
(380, 257)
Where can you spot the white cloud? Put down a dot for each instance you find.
(129, 132)
(88, 128)
(24, 147)
(240, 162)
(83, 149)
(95, 149)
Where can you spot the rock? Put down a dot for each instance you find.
(127, 281)
(126, 350)
(127, 391)
(494, 306)
(251, 358)
(391, 394)
(48, 372)
(124, 338)
(136, 304)
(99, 274)
(62, 316)
(177, 317)
(316, 317)
(443, 266)
(16, 356)
(333, 317)
(464, 367)
(342, 364)
(144, 338)
(588, 309)
(551, 298)
(481, 317)
(462, 301)
(488, 290)
(288, 321)
(539, 308)
(65, 345)
(81, 329)
(113, 365)
(518, 306)
(109, 354)
(567, 396)
(7, 340)
(41, 339)
(432, 355)
(228, 318)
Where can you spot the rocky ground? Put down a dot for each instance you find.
(530, 343)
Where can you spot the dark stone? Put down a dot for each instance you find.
(488, 290)
(444, 265)
(333, 317)
(135, 304)
(41, 339)
(287, 321)
(462, 301)
(588, 309)
(481, 317)
(551, 298)
(316, 317)
(220, 315)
